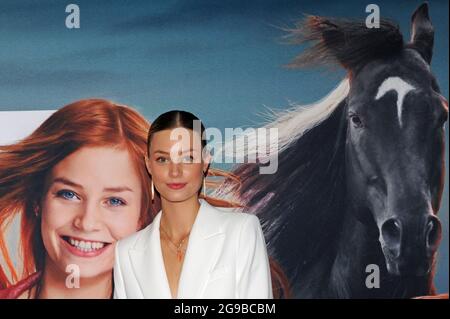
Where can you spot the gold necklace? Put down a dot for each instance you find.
(179, 250)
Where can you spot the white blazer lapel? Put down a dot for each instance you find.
(205, 243)
(148, 265)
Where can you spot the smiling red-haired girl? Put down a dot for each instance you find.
(79, 184)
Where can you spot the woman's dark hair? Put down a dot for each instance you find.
(174, 119)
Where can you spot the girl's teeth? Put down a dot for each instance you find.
(86, 246)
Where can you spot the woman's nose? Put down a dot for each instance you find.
(175, 169)
(88, 220)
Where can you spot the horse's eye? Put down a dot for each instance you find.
(356, 121)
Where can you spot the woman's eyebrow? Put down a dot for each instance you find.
(163, 152)
(66, 181)
(117, 189)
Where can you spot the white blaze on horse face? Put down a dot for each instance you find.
(398, 85)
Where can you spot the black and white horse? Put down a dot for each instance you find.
(360, 173)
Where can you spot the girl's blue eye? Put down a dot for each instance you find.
(66, 194)
(115, 201)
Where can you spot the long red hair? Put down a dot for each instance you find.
(24, 166)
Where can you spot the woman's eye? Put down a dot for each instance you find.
(66, 194)
(114, 201)
(188, 159)
(161, 160)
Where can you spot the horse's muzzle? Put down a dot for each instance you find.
(409, 244)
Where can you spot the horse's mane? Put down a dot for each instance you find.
(303, 198)
(344, 42)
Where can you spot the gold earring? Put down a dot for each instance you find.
(153, 192)
(204, 186)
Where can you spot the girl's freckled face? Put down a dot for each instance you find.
(93, 199)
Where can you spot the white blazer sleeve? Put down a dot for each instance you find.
(119, 287)
(253, 271)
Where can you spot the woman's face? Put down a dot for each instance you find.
(93, 199)
(176, 165)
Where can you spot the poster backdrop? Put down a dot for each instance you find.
(225, 61)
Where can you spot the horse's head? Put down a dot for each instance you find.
(395, 149)
(395, 131)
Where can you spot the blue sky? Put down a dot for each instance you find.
(223, 60)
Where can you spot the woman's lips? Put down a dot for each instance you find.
(84, 248)
(176, 185)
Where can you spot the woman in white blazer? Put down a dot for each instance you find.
(192, 249)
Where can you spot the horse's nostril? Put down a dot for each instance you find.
(433, 232)
(391, 234)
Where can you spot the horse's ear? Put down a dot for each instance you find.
(422, 32)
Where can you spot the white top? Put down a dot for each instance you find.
(226, 257)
